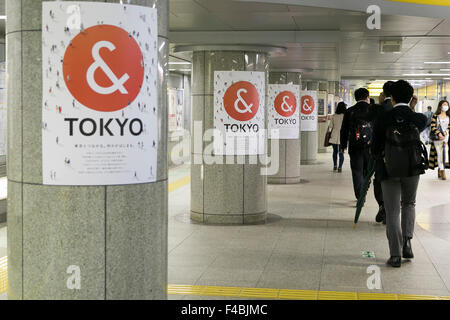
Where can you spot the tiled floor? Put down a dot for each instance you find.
(308, 242)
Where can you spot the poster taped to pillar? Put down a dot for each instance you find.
(309, 106)
(100, 97)
(239, 113)
(284, 111)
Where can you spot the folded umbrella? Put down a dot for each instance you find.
(364, 189)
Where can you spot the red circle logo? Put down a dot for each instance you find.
(103, 68)
(308, 105)
(241, 101)
(286, 104)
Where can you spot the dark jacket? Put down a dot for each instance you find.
(387, 105)
(361, 110)
(379, 111)
(383, 123)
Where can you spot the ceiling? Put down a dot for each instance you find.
(323, 43)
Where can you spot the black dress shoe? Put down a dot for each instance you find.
(395, 262)
(407, 249)
(381, 215)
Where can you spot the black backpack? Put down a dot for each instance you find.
(404, 153)
(361, 130)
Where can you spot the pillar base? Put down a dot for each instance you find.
(3, 211)
(286, 180)
(308, 162)
(228, 219)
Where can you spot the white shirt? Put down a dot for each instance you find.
(444, 123)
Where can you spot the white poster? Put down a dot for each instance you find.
(284, 111)
(176, 110)
(100, 71)
(239, 113)
(309, 111)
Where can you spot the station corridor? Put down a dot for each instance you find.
(308, 242)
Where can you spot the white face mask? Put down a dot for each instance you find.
(445, 108)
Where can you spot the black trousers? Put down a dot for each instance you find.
(359, 162)
(378, 191)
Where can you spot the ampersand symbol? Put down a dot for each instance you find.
(236, 106)
(247, 108)
(117, 84)
(306, 106)
(285, 105)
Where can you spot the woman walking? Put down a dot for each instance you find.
(439, 154)
(335, 127)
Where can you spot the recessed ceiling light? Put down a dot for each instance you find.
(426, 75)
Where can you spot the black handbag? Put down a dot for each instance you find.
(327, 138)
(433, 135)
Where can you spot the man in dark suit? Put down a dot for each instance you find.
(384, 107)
(356, 134)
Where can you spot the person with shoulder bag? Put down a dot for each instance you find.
(335, 136)
(439, 135)
(397, 143)
(356, 135)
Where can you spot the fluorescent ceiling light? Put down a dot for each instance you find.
(445, 70)
(2, 17)
(426, 75)
(186, 70)
(437, 62)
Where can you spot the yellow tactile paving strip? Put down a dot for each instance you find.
(282, 294)
(180, 183)
(427, 2)
(3, 274)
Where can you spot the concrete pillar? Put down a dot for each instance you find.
(289, 150)
(223, 193)
(309, 139)
(323, 115)
(115, 235)
(3, 124)
(337, 93)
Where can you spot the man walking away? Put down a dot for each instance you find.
(356, 134)
(384, 107)
(426, 133)
(397, 143)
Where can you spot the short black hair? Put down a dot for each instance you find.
(429, 107)
(341, 108)
(402, 91)
(361, 94)
(387, 88)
